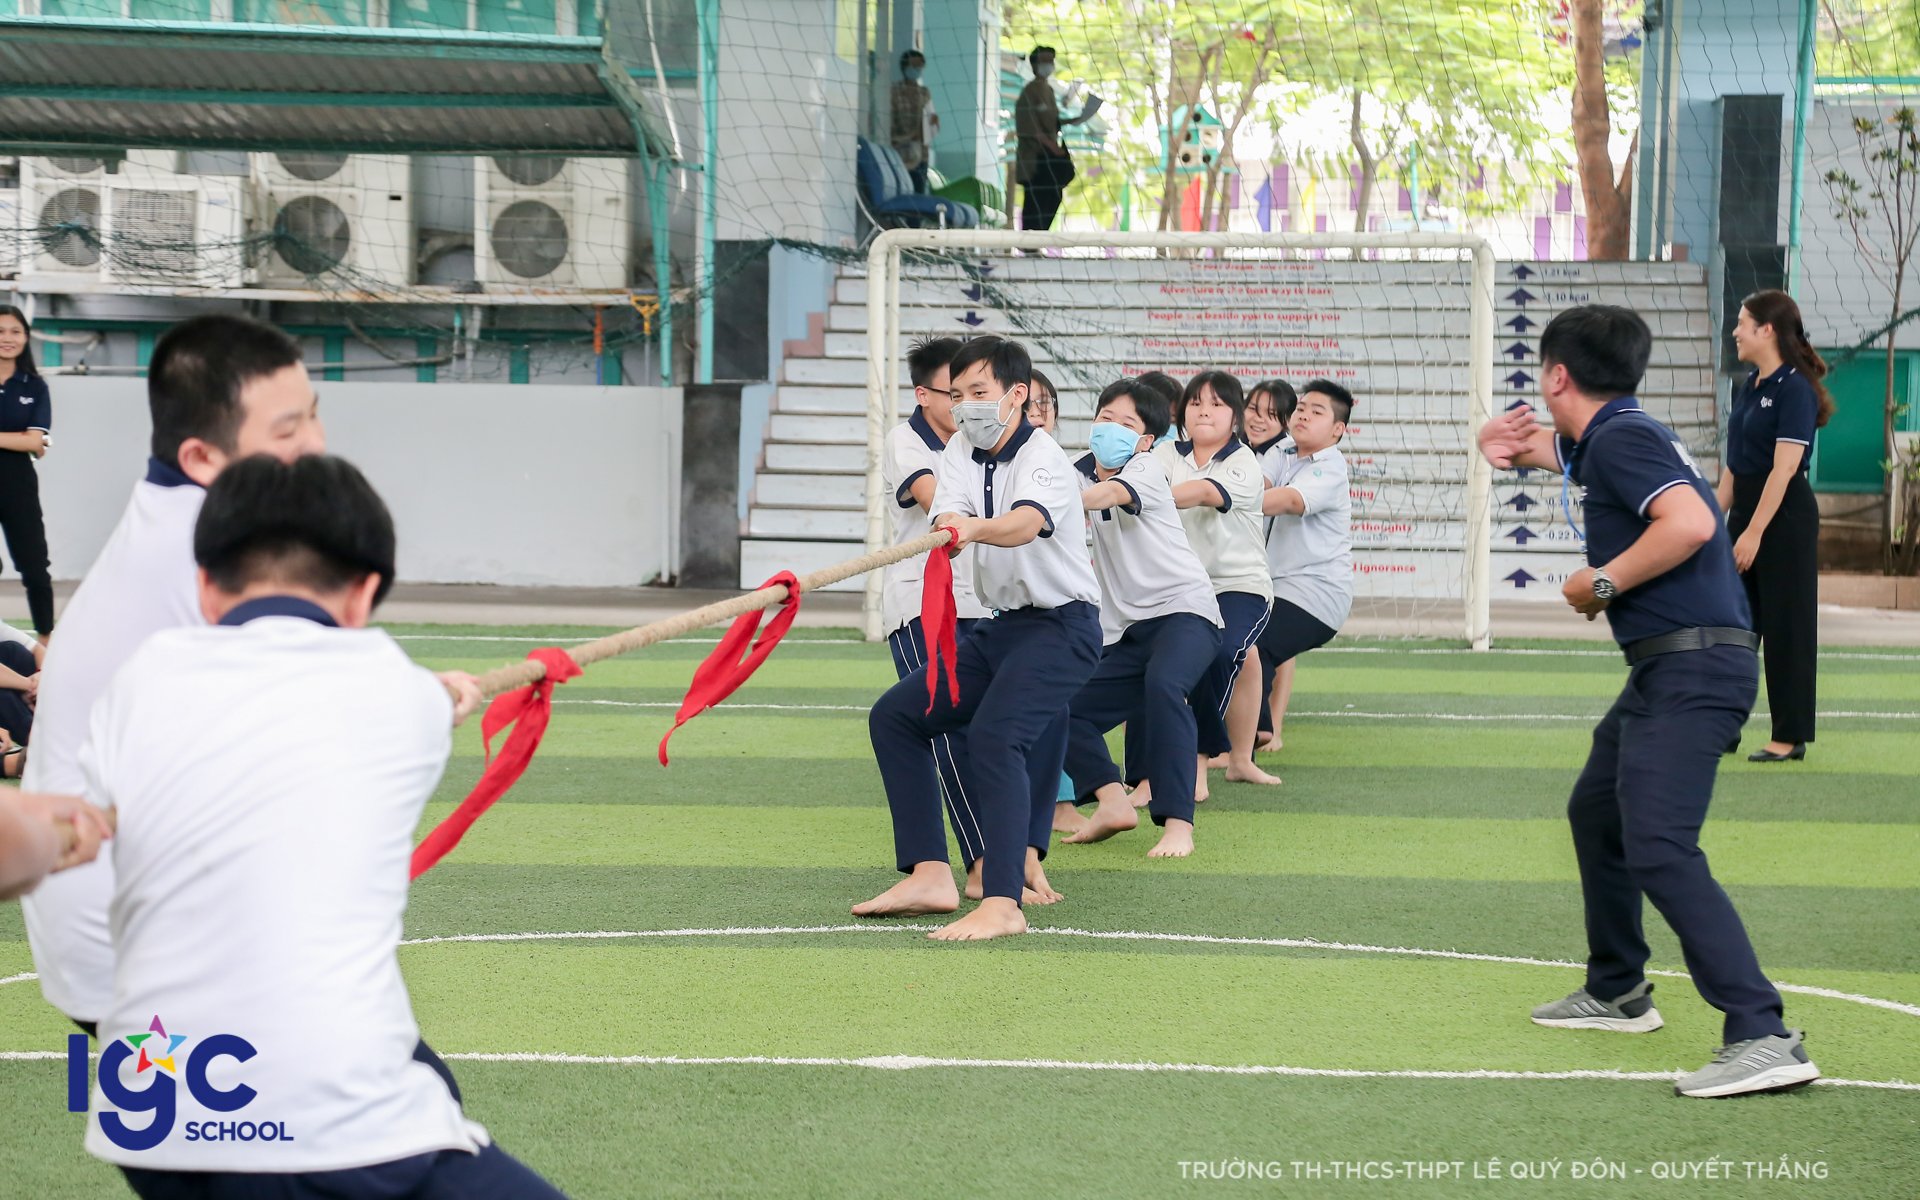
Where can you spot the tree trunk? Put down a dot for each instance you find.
(1188, 70)
(1609, 216)
(1369, 165)
(1891, 439)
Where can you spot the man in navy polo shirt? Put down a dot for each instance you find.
(1662, 570)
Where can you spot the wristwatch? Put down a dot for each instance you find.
(1603, 585)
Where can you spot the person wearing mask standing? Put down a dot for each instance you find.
(1771, 513)
(1043, 168)
(26, 421)
(915, 123)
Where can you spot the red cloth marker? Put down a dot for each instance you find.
(938, 619)
(527, 709)
(724, 670)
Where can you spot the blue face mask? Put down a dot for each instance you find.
(912, 74)
(1112, 444)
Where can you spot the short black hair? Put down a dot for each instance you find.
(196, 375)
(315, 522)
(1341, 397)
(1037, 51)
(1226, 387)
(1285, 399)
(1038, 382)
(1156, 412)
(1007, 360)
(907, 56)
(928, 355)
(1603, 347)
(1163, 383)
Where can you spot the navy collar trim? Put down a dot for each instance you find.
(1779, 373)
(1086, 465)
(1267, 445)
(279, 606)
(925, 429)
(1013, 445)
(166, 475)
(1233, 444)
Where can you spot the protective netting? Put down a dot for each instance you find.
(1560, 130)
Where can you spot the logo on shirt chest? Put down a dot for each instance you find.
(1766, 402)
(159, 1065)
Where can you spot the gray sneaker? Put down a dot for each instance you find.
(1631, 1013)
(1763, 1064)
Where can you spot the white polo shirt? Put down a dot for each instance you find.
(1311, 553)
(1141, 557)
(268, 779)
(1228, 536)
(1031, 471)
(913, 451)
(142, 582)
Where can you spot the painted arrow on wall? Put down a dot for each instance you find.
(1520, 296)
(1518, 379)
(1521, 534)
(1521, 323)
(1518, 350)
(1520, 578)
(973, 292)
(973, 318)
(1523, 502)
(1523, 271)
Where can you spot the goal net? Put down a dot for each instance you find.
(1405, 321)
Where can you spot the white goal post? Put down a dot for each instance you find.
(1389, 254)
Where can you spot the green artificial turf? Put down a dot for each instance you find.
(1423, 809)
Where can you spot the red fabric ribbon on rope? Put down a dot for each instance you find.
(527, 709)
(724, 671)
(938, 619)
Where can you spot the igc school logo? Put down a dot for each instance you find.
(162, 1060)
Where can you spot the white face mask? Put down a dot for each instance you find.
(1043, 70)
(980, 421)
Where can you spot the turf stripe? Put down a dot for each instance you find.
(1802, 854)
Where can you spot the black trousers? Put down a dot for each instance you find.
(26, 534)
(1783, 588)
(16, 715)
(1045, 191)
(1636, 814)
(1291, 631)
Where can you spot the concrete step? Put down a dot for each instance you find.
(1440, 381)
(832, 400)
(761, 558)
(786, 456)
(1068, 317)
(811, 524)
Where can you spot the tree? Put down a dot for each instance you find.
(1609, 203)
(1469, 80)
(1883, 213)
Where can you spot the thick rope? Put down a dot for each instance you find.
(530, 671)
(520, 674)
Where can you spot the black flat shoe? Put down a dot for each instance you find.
(1765, 755)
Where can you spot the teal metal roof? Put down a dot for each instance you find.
(74, 83)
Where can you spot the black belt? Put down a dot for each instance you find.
(1698, 638)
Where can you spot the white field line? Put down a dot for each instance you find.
(1105, 935)
(705, 641)
(1328, 714)
(914, 1062)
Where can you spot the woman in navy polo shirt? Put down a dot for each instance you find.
(26, 417)
(1771, 514)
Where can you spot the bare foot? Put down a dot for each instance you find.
(1038, 890)
(997, 916)
(974, 888)
(1142, 795)
(1115, 815)
(1066, 819)
(1219, 762)
(928, 890)
(1247, 772)
(1176, 840)
(1265, 741)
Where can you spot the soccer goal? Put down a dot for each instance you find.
(1404, 320)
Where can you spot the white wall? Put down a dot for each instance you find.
(488, 483)
(1843, 297)
(789, 112)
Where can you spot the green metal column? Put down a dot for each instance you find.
(334, 349)
(426, 347)
(143, 343)
(708, 17)
(657, 214)
(520, 365)
(1802, 112)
